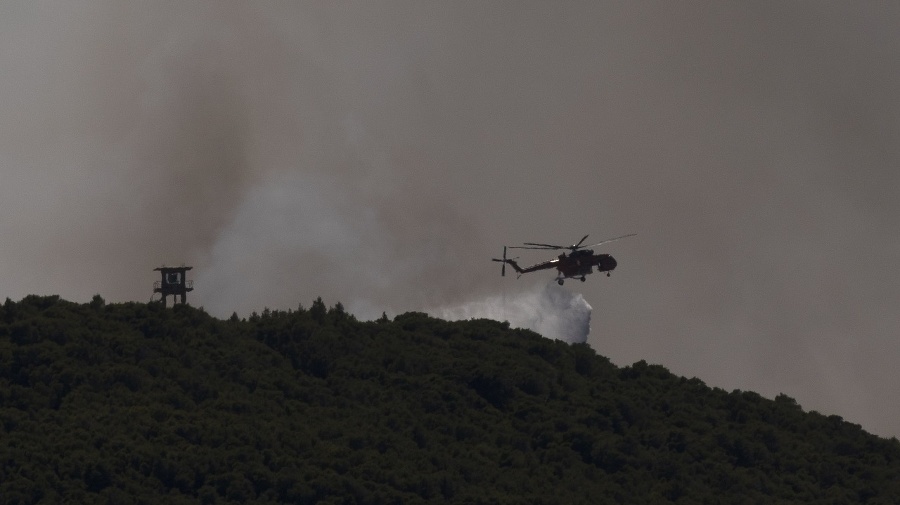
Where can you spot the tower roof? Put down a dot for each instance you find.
(172, 269)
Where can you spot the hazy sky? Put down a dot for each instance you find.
(380, 153)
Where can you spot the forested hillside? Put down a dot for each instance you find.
(134, 403)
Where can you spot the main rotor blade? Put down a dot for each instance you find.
(543, 247)
(610, 240)
(548, 246)
(578, 245)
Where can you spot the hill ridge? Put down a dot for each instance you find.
(134, 403)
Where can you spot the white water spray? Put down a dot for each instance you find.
(551, 311)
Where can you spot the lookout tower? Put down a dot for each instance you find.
(174, 282)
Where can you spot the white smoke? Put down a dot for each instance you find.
(551, 311)
(301, 235)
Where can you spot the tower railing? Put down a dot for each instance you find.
(189, 284)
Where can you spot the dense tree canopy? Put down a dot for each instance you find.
(135, 403)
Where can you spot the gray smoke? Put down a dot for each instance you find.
(551, 310)
(294, 237)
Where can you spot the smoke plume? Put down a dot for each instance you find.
(550, 310)
(294, 237)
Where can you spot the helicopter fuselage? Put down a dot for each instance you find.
(573, 265)
(579, 262)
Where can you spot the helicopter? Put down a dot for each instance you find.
(578, 263)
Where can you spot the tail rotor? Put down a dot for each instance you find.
(503, 268)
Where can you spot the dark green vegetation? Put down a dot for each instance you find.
(133, 403)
